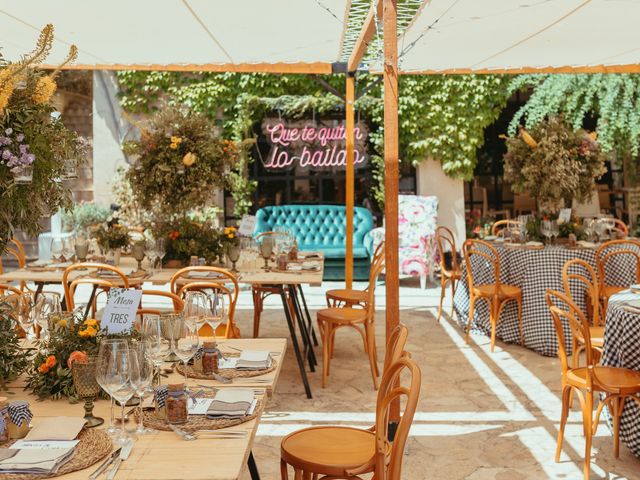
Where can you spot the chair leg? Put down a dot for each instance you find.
(297, 474)
(284, 474)
(494, 310)
(443, 284)
(257, 311)
(371, 354)
(617, 413)
(587, 418)
(453, 294)
(472, 306)
(326, 352)
(519, 301)
(566, 393)
(306, 475)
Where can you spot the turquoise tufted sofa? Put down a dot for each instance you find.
(322, 228)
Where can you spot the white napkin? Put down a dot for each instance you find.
(36, 461)
(533, 243)
(56, 428)
(294, 267)
(585, 244)
(254, 360)
(204, 275)
(231, 402)
(110, 273)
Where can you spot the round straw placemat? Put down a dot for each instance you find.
(225, 372)
(94, 445)
(196, 422)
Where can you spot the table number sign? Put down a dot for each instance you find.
(565, 215)
(247, 225)
(120, 311)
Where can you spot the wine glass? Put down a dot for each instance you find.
(119, 376)
(68, 248)
(233, 253)
(156, 346)
(81, 248)
(161, 251)
(47, 305)
(195, 306)
(138, 252)
(545, 229)
(169, 323)
(141, 378)
(26, 314)
(107, 353)
(266, 249)
(215, 312)
(56, 249)
(186, 343)
(555, 230)
(87, 387)
(150, 252)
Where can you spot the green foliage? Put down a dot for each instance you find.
(187, 237)
(556, 165)
(111, 236)
(13, 358)
(83, 216)
(613, 100)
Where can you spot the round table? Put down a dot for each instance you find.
(535, 270)
(622, 349)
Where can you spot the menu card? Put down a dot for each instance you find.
(247, 225)
(120, 311)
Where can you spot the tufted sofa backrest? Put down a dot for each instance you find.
(317, 225)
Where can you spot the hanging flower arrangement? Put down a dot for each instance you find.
(34, 143)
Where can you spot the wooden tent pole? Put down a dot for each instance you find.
(391, 179)
(349, 177)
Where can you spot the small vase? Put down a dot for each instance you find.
(22, 174)
(113, 257)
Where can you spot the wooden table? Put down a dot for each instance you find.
(164, 455)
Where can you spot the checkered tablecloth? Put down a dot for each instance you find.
(535, 271)
(622, 349)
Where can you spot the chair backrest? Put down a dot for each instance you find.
(611, 251)
(8, 288)
(389, 455)
(563, 308)
(579, 272)
(486, 254)
(180, 284)
(446, 242)
(90, 278)
(377, 266)
(17, 251)
(502, 224)
(395, 345)
(176, 301)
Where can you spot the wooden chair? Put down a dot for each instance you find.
(347, 452)
(500, 225)
(589, 282)
(176, 301)
(100, 285)
(17, 251)
(523, 203)
(396, 346)
(260, 293)
(350, 297)
(446, 242)
(496, 294)
(180, 283)
(361, 319)
(617, 384)
(624, 250)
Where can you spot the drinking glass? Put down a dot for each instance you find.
(68, 248)
(161, 251)
(138, 252)
(141, 379)
(233, 253)
(26, 314)
(545, 229)
(48, 303)
(186, 343)
(600, 229)
(157, 347)
(108, 352)
(555, 230)
(81, 248)
(119, 378)
(150, 252)
(195, 307)
(215, 313)
(56, 249)
(87, 387)
(266, 249)
(169, 322)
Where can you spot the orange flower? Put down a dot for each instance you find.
(77, 356)
(43, 368)
(51, 361)
(173, 235)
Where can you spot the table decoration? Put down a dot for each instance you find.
(192, 371)
(19, 417)
(14, 359)
(176, 404)
(112, 238)
(4, 419)
(83, 370)
(93, 446)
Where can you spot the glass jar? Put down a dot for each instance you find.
(177, 402)
(209, 358)
(4, 419)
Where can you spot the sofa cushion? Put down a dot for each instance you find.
(338, 252)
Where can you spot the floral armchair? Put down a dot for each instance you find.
(417, 222)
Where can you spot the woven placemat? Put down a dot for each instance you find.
(196, 422)
(225, 372)
(94, 446)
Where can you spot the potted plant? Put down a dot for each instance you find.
(112, 238)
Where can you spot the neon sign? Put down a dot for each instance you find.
(312, 145)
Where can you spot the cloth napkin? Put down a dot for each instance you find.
(534, 244)
(231, 403)
(111, 273)
(254, 360)
(56, 428)
(585, 244)
(36, 461)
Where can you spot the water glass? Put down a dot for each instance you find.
(106, 367)
(186, 343)
(142, 370)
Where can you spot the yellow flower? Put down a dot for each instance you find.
(91, 322)
(189, 159)
(92, 331)
(62, 323)
(83, 333)
(45, 88)
(173, 145)
(176, 140)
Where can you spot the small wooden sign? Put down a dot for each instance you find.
(120, 311)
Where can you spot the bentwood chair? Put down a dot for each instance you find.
(609, 257)
(347, 452)
(502, 224)
(579, 273)
(91, 277)
(17, 251)
(449, 272)
(496, 294)
(350, 297)
(617, 384)
(172, 299)
(360, 319)
(217, 281)
(262, 291)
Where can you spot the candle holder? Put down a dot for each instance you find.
(87, 388)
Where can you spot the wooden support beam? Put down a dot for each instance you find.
(365, 37)
(349, 177)
(328, 87)
(391, 172)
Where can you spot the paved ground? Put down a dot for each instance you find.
(481, 415)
